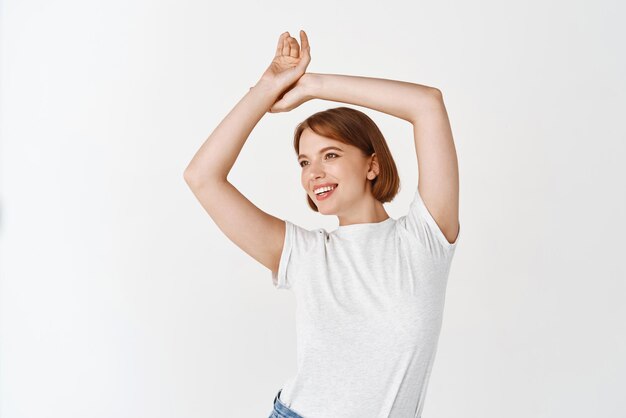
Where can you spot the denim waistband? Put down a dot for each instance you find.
(283, 410)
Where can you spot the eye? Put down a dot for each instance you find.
(330, 153)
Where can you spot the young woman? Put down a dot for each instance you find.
(370, 294)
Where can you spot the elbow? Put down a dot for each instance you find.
(193, 178)
(437, 94)
(428, 101)
(190, 176)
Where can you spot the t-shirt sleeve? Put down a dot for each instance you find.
(298, 243)
(420, 224)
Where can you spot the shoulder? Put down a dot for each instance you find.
(302, 237)
(422, 225)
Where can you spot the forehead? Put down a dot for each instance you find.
(311, 143)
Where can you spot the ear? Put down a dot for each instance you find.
(374, 167)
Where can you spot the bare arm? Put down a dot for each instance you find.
(424, 108)
(217, 155)
(256, 232)
(401, 99)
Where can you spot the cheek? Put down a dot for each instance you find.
(346, 172)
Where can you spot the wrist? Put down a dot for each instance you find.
(266, 86)
(313, 84)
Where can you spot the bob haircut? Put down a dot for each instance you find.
(353, 127)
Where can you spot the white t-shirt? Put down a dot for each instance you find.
(369, 307)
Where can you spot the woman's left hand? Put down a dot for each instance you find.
(301, 91)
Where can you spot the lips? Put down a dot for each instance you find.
(326, 195)
(317, 186)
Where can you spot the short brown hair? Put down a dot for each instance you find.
(354, 127)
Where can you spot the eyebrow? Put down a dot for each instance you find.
(322, 150)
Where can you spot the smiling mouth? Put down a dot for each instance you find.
(324, 195)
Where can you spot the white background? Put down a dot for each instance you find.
(120, 297)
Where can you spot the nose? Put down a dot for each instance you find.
(315, 171)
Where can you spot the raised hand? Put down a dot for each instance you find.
(289, 62)
(302, 91)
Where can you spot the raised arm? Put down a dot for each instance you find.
(258, 233)
(423, 107)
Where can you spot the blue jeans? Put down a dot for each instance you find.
(281, 410)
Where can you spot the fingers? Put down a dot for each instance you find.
(281, 39)
(287, 45)
(305, 52)
(294, 47)
(286, 48)
(304, 40)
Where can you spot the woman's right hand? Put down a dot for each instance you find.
(289, 63)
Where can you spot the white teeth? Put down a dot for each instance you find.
(323, 189)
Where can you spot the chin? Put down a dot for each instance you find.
(324, 211)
